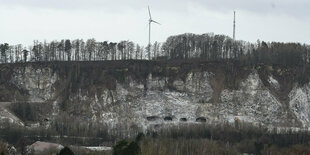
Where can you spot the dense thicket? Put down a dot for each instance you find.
(217, 47)
(184, 46)
(224, 139)
(184, 139)
(216, 139)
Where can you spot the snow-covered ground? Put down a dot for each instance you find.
(98, 148)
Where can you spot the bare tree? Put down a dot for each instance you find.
(68, 48)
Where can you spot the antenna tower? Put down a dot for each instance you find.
(234, 28)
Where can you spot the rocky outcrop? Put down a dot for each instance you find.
(300, 103)
(164, 100)
(37, 81)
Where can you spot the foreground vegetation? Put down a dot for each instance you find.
(186, 139)
(222, 139)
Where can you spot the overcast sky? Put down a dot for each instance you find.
(22, 21)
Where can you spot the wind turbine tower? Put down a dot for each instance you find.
(234, 27)
(150, 23)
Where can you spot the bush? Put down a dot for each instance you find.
(66, 151)
(3, 148)
(123, 147)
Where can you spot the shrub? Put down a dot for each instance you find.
(66, 151)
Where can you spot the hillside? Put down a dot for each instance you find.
(137, 95)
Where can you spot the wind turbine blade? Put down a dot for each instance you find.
(156, 22)
(149, 12)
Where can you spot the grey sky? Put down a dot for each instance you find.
(23, 21)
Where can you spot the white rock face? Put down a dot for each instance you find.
(158, 106)
(155, 103)
(254, 103)
(155, 83)
(273, 82)
(7, 117)
(132, 103)
(299, 103)
(38, 82)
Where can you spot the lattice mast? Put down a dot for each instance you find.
(234, 26)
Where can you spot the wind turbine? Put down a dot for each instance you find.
(150, 23)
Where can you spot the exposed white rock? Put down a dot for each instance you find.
(38, 82)
(98, 148)
(55, 107)
(156, 83)
(132, 104)
(254, 103)
(273, 82)
(152, 103)
(299, 103)
(7, 117)
(251, 103)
